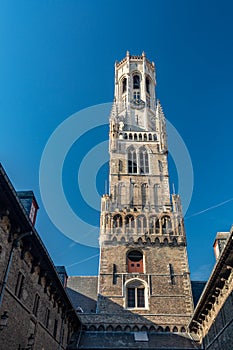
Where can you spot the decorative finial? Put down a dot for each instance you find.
(143, 54)
(127, 53)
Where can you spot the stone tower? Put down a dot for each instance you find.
(143, 274)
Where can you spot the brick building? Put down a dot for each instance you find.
(33, 301)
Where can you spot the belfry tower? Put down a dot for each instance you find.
(143, 273)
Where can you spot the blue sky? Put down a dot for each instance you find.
(57, 57)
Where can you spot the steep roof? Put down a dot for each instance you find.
(83, 292)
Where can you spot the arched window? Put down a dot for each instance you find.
(135, 294)
(117, 221)
(166, 224)
(143, 161)
(147, 85)
(132, 161)
(129, 223)
(135, 261)
(124, 85)
(136, 82)
(141, 224)
(152, 224)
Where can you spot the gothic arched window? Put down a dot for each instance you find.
(166, 224)
(135, 261)
(129, 222)
(152, 224)
(135, 291)
(117, 221)
(141, 224)
(143, 161)
(132, 161)
(136, 82)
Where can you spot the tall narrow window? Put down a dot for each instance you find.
(152, 224)
(131, 297)
(19, 285)
(132, 161)
(166, 224)
(117, 221)
(55, 328)
(141, 224)
(143, 161)
(36, 304)
(124, 85)
(129, 223)
(157, 227)
(147, 85)
(136, 82)
(47, 315)
(135, 294)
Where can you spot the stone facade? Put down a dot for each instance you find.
(31, 293)
(138, 216)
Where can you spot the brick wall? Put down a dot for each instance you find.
(22, 320)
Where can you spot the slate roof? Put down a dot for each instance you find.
(126, 340)
(83, 292)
